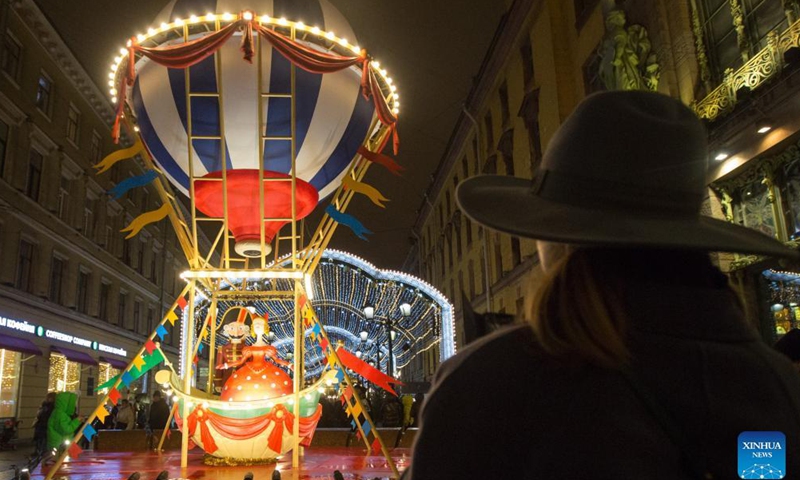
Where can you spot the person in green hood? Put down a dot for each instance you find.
(61, 426)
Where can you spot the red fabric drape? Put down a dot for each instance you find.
(187, 54)
(245, 428)
(367, 371)
(382, 160)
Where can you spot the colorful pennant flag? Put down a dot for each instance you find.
(74, 450)
(301, 302)
(89, 432)
(383, 160)
(161, 332)
(367, 427)
(129, 183)
(367, 190)
(115, 157)
(367, 371)
(172, 317)
(348, 221)
(138, 362)
(376, 445)
(146, 218)
(182, 302)
(339, 375)
(355, 410)
(100, 413)
(126, 378)
(149, 346)
(114, 396)
(323, 343)
(200, 348)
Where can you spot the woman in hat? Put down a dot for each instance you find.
(636, 360)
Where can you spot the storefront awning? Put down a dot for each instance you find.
(19, 345)
(118, 364)
(75, 356)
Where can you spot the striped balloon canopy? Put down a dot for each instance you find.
(332, 118)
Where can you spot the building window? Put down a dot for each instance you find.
(487, 123)
(126, 252)
(56, 279)
(469, 232)
(140, 258)
(44, 94)
(96, 150)
(137, 317)
(9, 384)
(121, 306)
(153, 267)
(65, 376)
(88, 222)
(498, 258)
(109, 238)
(471, 278)
(12, 56)
(4, 131)
(105, 293)
(83, 290)
(105, 373)
(24, 279)
(35, 160)
(504, 114)
(63, 199)
(73, 124)
(516, 255)
(151, 319)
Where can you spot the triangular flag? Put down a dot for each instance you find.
(200, 348)
(301, 302)
(126, 378)
(353, 423)
(138, 362)
(149, 346)
(114, 396)
(89, 432)
(171, 317)
(101, 413)
(367, 428)
(376, 445)
(323, 343)
(74, 450)
(182, 302)
(355, 410)
(161, 331)
(340, 375)
(316, 328)
(348, 393)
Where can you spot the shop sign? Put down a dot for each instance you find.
(40, 331)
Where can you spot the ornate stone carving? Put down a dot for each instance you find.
(628, 62)
(700, 48)
(738, 24)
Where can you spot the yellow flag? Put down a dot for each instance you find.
(139, 222)
(371, 192)
(101, 413)
(172, 317)
(355, 411)
(115, 157)
(138, 362)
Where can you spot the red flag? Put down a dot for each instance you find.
(182, 303)
(376, 445)
(367, 371)
(323, 343)
(149, 346)
(348, 393)
(74, 450)
(302, 301)
(114, 396)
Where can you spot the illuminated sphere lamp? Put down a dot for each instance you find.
(242, 199)
(777, 307)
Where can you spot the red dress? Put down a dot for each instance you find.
(257, 378)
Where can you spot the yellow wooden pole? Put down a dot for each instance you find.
(187, 373)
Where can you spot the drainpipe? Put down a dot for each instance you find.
(487, 286)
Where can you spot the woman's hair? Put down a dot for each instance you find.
(579, 310)
(253, 323)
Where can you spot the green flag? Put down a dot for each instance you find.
(150, 361)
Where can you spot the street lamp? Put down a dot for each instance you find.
(369, 312)
(363, 335)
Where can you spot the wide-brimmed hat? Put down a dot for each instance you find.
(625, 169)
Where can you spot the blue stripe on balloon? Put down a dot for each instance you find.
(277, 152)
(205, 110)
(153, 142)
(344, 152)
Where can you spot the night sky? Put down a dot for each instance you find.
(432, 49)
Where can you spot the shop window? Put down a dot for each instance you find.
(784, 300)
(9, 384)
(65, 376)
(105, 374)
(790, 198)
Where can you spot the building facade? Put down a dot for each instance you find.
(76, 299)
(547, 55)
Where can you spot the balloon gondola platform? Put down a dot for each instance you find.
(258, 117)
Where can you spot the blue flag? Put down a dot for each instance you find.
(161, 332)
(89, 432)
(367, 428)
(126, 378)
(122, 187)
(348, 221)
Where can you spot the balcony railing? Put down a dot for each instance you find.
(757, 71)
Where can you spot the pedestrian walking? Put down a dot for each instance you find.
(40, 424)
(636, 360)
